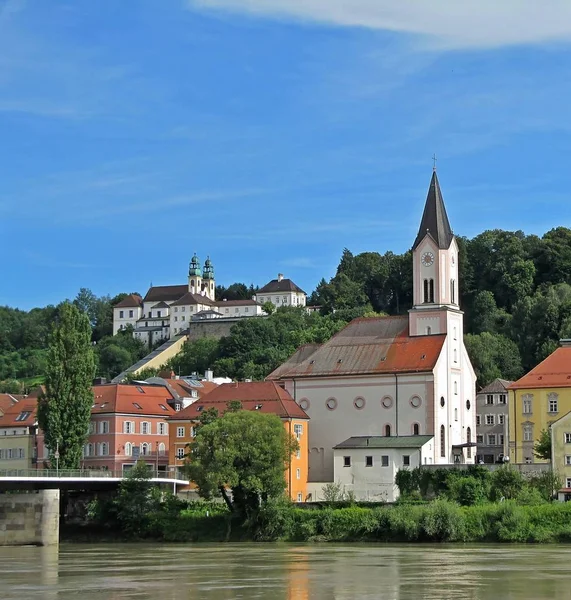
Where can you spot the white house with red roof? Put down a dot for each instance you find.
(394, 376)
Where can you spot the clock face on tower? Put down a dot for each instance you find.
(427, 259)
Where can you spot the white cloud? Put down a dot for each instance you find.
(443, 23)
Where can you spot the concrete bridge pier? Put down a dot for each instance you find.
(29, 519)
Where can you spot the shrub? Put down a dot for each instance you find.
(506, 483)
(466, 491)
(443, 521)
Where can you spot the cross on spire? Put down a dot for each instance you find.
(434, 159)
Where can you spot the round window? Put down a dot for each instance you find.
(468, 405)
(304, 403)
(331, 404)
(387, 402)
(442, 401)
(415, 401)
(359, 403)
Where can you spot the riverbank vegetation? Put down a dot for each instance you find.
(455, 513)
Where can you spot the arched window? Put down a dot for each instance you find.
(162, 449)
(442, 441)
(453, 291)
(468, 440)
(455, 355)
(416, 429)
(425, 291)
(456, 387)
(455, 414)
(431, 290)
(128, 449)
(144, 449)
(388, 430)
(428, 330)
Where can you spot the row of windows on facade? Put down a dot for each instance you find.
(276, 300)
(428, 289)
(491, 419)
(181, 431)
(12, 453)
(492, 439)
(146, 427)
(490, 399)
(102, 449)
(385, 461)
(552, 403)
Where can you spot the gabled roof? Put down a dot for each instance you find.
(168, 293)
(381, 442)
(160, 305)
(183, 388)
(133, 399)
(434, 218)
(554, 371)
(264, 396)
(189, 299)
(375, 345)
(498, 386)
(130, 301)
(278, 286)
(21, 414)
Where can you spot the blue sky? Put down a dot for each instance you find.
(269, 134)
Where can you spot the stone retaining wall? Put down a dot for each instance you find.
(29, 518)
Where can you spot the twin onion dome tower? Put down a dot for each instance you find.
(201, 280)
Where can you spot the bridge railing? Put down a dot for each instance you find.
(80, 473)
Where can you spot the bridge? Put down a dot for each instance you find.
(78, 479)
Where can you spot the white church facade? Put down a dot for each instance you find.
(392, 378)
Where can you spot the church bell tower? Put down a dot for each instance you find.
(435, 271)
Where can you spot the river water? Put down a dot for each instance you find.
(285, 572)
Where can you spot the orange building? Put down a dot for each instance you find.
(264, 396)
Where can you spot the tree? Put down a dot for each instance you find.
(64, 409)
(492, 356)
(244, 451)
(542, 448)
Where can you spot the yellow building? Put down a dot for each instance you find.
(537, 401)
(262, 396)
(561, 452)
(18, 436)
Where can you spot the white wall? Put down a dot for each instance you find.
(283, 299)
(331, 427)
(251, 310)
(121, 322)
(376, 483)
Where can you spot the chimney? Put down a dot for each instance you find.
(209, 375)
(280, 276)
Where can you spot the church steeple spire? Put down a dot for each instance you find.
(434, 219)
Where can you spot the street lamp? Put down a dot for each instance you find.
(56, 456)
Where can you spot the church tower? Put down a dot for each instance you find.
(436, 307)
(195, 276)
(209, 283)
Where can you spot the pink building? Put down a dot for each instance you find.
(128, 422)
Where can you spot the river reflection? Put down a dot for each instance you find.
(288, 572)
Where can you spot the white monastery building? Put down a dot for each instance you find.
(167, 311)
(281, 292)
(393, 377)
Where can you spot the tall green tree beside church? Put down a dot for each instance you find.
(64, 409)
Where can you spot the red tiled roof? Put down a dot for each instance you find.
(183, 389)
(132, 399)
(130, 301)
(189, 299)
(554, 371)
(165, 292)
(6, 401)
(12, 413)
(373, 345)
(265, 396)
